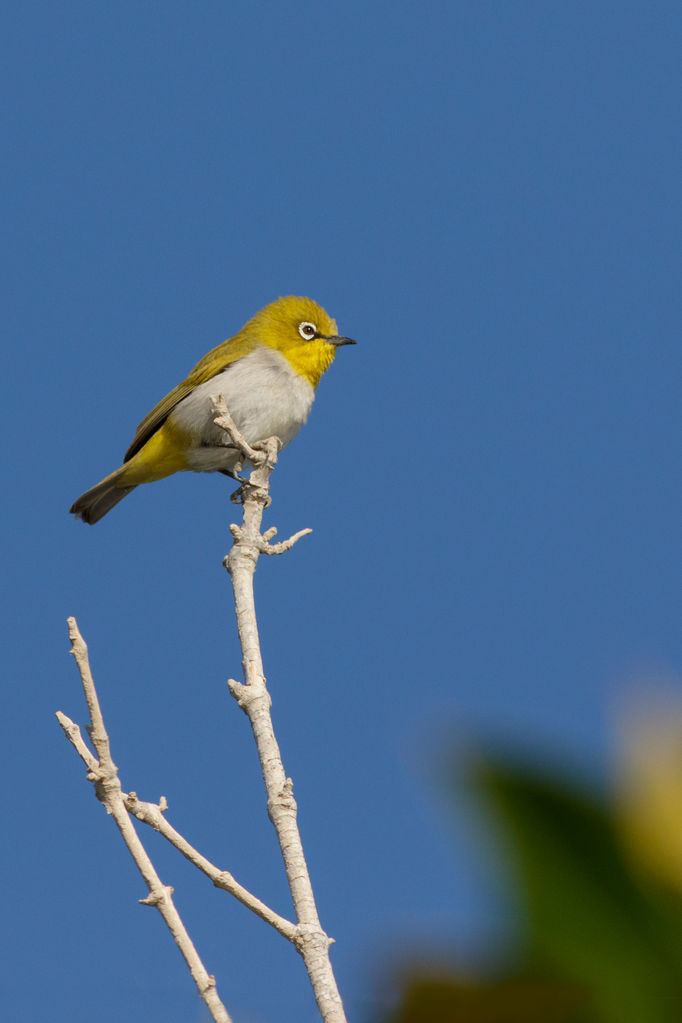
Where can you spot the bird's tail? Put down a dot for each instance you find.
(96, 502)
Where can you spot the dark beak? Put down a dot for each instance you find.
(335, 339)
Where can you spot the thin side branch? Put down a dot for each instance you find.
(253, 697)
(283, 545)
(103, 773)
(152, 814)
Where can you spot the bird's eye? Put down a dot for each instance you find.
(307, 331)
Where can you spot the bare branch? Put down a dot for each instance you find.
(103, 773)
(307, 934)
(253, 697)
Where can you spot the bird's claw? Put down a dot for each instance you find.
(234, 475)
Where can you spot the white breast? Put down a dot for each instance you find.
(265, 397)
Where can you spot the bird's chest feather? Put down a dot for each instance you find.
(265, 398)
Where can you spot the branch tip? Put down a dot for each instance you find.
(284, 545)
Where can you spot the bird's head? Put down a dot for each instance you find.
(302, 331)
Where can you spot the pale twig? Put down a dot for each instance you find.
(282, 546)
(253, 697)
(152, 814)
(224, 420)
(103, 773)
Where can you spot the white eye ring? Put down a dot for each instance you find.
(307, 330)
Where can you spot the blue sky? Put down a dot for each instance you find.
(486, 196)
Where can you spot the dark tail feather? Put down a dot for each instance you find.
(96, 502)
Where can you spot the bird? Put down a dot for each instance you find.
(268, 373)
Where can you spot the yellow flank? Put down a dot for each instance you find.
(214, 362)
(298, 329)
(161, 456)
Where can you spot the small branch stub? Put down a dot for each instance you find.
(156, 897)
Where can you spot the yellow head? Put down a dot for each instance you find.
(302, 331)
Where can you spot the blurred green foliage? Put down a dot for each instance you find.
(599, 939)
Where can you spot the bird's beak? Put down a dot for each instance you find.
(335, 339)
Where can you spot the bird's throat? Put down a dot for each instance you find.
(311, 360)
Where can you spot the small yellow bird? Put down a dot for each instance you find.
(267, 372)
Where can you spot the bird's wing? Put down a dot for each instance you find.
(215, 362)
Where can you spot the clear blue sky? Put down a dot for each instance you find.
(486, 196)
